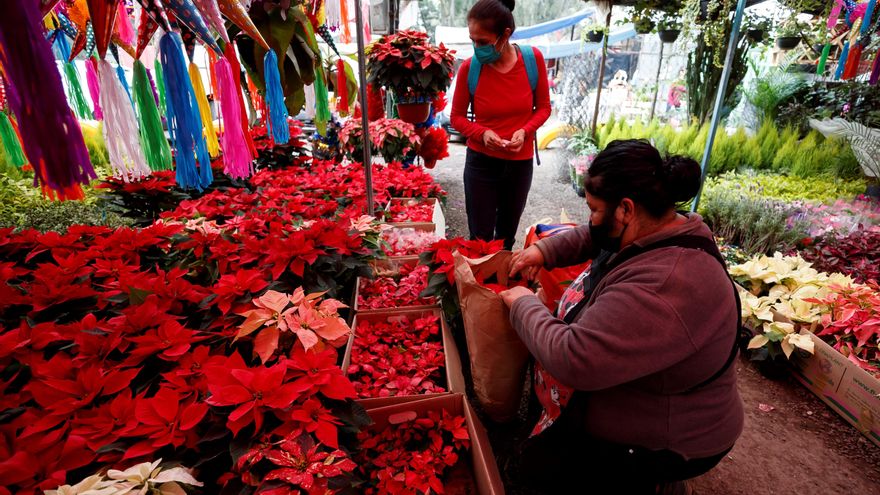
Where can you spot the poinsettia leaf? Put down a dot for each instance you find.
(402, 417)
(266, 343)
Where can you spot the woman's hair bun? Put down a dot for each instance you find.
(682, 178)
(510, 4)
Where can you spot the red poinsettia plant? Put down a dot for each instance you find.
(399, 356)
(401, 290)
(851, 323)
(408, 64)
(413, 453)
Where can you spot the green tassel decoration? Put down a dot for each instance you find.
(322, 101)
(76, 93)
(820, 70)
(156, 147)
(160, 84)
(11, 144)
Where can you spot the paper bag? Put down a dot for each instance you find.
(498, 357)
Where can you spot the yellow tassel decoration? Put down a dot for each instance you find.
(204, 111)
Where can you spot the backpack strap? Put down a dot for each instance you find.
(528, 55)
(700, 243)
(473, 78)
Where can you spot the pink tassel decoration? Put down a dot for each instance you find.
(236, 156)
(94, 88)
(120, 128)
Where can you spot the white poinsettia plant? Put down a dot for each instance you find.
(142, 479)
(777, 299)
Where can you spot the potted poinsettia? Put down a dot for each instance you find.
(415, 70)
(393, 139)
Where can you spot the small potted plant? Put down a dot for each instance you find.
(594, 31)
(585, 150)
(393, 139)
(757, 27)
(642, 22)
(790, 33)
(415, 70)
(668, 28)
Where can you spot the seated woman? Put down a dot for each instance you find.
(635, 371)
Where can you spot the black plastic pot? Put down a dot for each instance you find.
(756, 35)
(668, 35)
(595, 36)
(787, 42)
(873, 191)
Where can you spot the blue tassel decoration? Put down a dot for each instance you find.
(844, 54)
(120, 73)
(275, 99)
(184, 121)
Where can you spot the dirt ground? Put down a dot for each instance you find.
(792, 442)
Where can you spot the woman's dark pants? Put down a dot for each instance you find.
(495, 192)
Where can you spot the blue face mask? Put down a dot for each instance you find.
(487, 54)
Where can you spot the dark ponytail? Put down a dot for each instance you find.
(494, 15)
(634, 169)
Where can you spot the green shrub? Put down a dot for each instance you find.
(755, 225)
(57, 216)
(786, 155)
(683, 139)
(806, 163)
(769, 143)
(697, 145)
(822, 189)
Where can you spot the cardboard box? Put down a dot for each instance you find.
(391, 269)
(454, 376)
(437, 223)
(842, 385)
(485, 470)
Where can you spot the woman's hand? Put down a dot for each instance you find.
(512, 294)
(493, 141)
(516, 141)
(527, 261)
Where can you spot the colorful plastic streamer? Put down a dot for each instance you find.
(204, 111)
(156, 148)
(11, 144)
(184, 122)
(50, 134)
(275, 99)
(120, 128)
(820, 69)
(237, 160)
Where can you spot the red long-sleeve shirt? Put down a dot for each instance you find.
(502, 103)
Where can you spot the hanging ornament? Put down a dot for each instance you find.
(156, 149)
(67, 26)
(235, 66)
(275, 99)
(156, 11)
(146, 29)
(103, 16)
(211, 14)
(237, 160)
(341, 88)
(123, 26)
(90, 40)
(212, 70)
(120, 128)
(184, 123)
(51, 137)
(186, 14)
(234, 11)
(204, 110)
(324, 31)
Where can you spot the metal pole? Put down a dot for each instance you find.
(365, 119)
(657, 82)
(601, 72)
(719, 99)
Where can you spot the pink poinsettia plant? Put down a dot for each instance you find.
(393, 139)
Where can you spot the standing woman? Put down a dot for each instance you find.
(507, 113)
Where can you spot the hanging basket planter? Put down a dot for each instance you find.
(787, 42)
(595, 36)
(668, 35)
(756, 35)
(414, 113)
